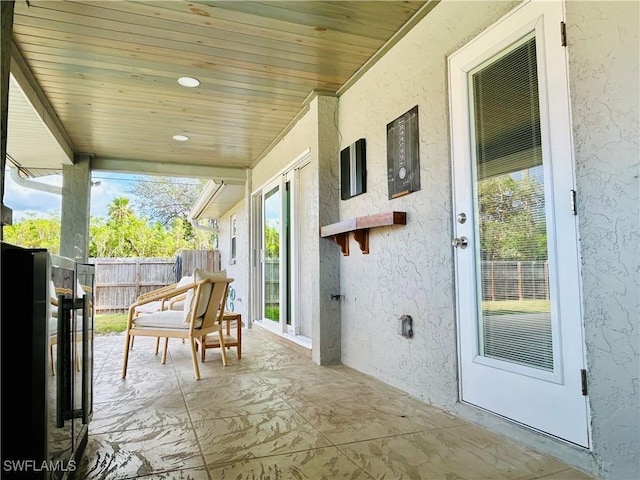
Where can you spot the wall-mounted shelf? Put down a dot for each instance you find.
(360, 227)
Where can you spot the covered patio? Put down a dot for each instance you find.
(276, 414)
(291, 109)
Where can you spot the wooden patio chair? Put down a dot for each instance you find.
(202, 315)
(169, 301)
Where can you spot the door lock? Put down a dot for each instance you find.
(460, 242)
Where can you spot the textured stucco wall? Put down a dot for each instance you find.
(307, 206)
(297, 141)
(315, 132)
(603, 48)
(76, 206)
(237, 270)
(326, 324)
(409, 269)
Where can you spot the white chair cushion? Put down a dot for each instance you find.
(184, 281)
(156, 306)
(150, 307)
(52, 291)
(178, 305)
(199, 275)
(164, 319)
(53, 326)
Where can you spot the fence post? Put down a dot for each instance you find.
(546, 280)
(137, 277)
(519, 273)
(493, 283)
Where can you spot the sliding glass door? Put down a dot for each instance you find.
(281, 292)
(271, 248)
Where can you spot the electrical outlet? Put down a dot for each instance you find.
(406, 326)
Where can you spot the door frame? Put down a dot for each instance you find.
(541, 17)
(290, 173)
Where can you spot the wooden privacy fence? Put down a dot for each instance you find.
(515, 280)
(119, 281)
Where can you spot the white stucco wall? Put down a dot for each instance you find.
(413, 265)
(315, 134)
(603, 47)
(409, 269)
(237, 270)
(297, 141)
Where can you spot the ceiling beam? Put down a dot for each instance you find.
(31, 89)
(231, 175)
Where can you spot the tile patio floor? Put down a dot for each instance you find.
(275, 414)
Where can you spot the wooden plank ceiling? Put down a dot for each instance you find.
(109, 69)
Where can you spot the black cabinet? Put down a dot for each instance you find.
(46, 330)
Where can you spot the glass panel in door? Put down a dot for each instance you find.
(514, 321)
(272, 226)
(286, 255)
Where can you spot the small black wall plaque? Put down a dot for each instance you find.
(353, 169)
(403, 157)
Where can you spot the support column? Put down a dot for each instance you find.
(6, 33)
(327, 325)
(246, 245)
(76, 202)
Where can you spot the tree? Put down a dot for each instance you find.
(272, 241)
(121, 234)
(166, 198)
(34, 232)
(119, 209)
(512, 219)
(124, 234)
(169, 200)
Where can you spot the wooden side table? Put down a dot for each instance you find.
(212, 341)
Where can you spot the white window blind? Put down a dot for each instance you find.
(515, 320)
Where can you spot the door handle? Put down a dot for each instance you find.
(460, 242)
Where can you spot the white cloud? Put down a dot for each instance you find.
(111, 186)
(22, 199)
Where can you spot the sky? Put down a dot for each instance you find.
(22, 200)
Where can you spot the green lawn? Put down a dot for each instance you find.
(272, 313)
(110, 323)
(503, 307)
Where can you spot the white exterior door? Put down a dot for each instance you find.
(517, 264)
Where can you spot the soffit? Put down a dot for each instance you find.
(29, 141)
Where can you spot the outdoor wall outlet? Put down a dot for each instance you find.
(406, 326)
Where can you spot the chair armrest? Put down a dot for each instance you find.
(177, 299)
(160, 295)
(165, 289)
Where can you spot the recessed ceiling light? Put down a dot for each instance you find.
(188, 82)
(180, 138)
